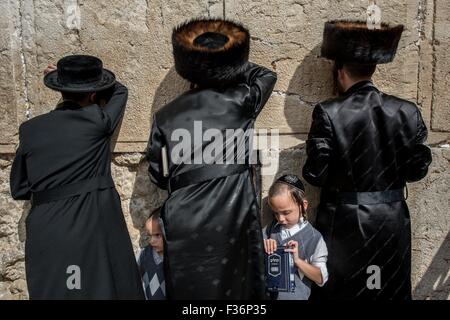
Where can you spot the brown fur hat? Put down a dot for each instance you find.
(210, 52)
(353, 42)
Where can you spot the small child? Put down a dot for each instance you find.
(290, 229)
(151, 259)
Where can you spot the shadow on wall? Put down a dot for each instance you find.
(311, 83)
(146, 196)
(435, 283)
(21, 227)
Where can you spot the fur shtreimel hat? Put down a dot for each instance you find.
(210, 52)
(353, 42)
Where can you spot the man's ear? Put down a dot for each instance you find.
(93, 97)
(305, 204)
(341, 74)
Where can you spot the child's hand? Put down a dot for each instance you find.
(50, 68)
(292, 246)
(270, 245)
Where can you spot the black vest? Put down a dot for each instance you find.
(152, 275)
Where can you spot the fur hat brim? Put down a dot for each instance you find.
(353, 42)
(205, 66)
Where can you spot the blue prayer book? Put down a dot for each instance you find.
(280, 271)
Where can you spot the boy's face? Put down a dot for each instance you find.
(287, 211)
(155, 234)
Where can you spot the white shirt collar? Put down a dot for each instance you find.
(287, 233)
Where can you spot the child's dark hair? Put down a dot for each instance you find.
(297, 194)
(155, 214)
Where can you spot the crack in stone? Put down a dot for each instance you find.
(434, 62)
(282, 59)
(161, 12)
(295, 95)
(224, 8)
(24, 64)
(80, 43)
(274, 62)
(270, 44)
(438, 145)
(297, 44)
(421, 14)
(147, 25)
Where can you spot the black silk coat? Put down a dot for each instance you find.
(77, 247)
(213, 240)
(366, 141)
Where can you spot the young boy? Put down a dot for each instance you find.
(77, 243)
(291, 230)
(151, 259)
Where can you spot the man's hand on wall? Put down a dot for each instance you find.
(50, 68)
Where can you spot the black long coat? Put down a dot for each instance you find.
(84, 234)
(213, 240)
(366, 141)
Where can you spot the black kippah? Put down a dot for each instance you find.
(293, 181)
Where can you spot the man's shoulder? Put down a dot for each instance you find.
(185, 103)
(400, 102)
(35, 122)
(170, 108)
(331, 104)
(329, 107)
(55, 118)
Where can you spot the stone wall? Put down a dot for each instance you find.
(132, 37)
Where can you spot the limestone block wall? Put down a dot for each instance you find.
(133, 38)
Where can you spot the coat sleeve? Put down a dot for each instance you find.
(20, 188)
(260, 82)
(114, 109)
(420, 155)
(155, 146)
(319, 147)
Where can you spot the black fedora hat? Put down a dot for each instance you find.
(353, 42)
(80, 73)
(210, 52)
